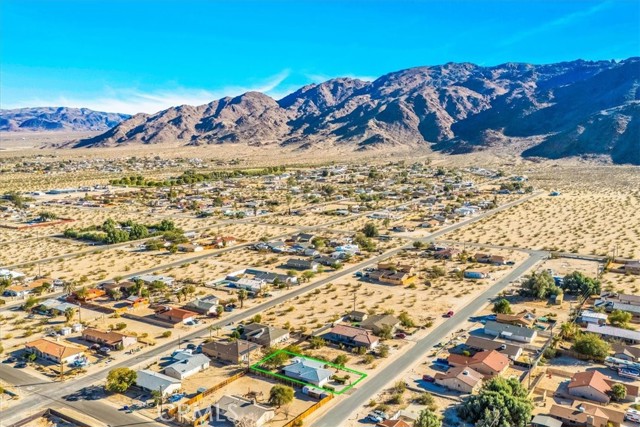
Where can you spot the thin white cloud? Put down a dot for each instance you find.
(563, 21)
(320, 78)
(132, 101)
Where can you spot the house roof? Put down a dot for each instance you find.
(545, 420)
(612, 331)
(186, 365)
(154, 380)
(53, 349)
(512, 329)
(378, 321)
(178, 313)
(593, 379)
(581, 416)
(628, 350)
(263, 333)
(358, 335)
(110, 337)
(307, 370)
(490, 358)
(486, 344)
(198, 304)
(393, 423)
(467, 375)
(231, 349)
(238, 408)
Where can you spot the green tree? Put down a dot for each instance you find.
(280, 395)
(578, 283)
(502, 306)
(540, 286)
(427, 418)
(501, 403)
(277, 359)
(341, 359)
(592, 345)
(370, 230)
(406, 320)
(69, 313)
(316, 343)
(618, 392)
(569, 330)
(120, 379)
(620, 318)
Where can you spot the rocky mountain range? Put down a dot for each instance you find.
(58, 119)
(578, 108)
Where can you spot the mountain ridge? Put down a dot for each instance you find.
(58, 119)
(573, 108)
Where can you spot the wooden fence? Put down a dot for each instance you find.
(309, 411)
(198, 397)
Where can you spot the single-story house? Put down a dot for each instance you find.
(462, 379)
(53, 351)
(377, 323)
(238, 410)
(252, 285)
(111, 339)
(308, 371)
(352, 336)
(301, 264)
(91, 294)
(488, 362)
(185, 368)
(357, 316)
(148, 279)
(545, 421)
(190, 247)
(478, 343)
(264, 335)
(626, 352)
(626, 335)
(177, 315)
(206, 306)
(590, 385)
(236, 351)
(155, 381)
(588, 316)
(21, 290)
(524, 319)
(52, 305)
(586, 415)
(512, 332)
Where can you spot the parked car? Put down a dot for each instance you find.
(20, 365)
(374, 418)
(381, 414)
(10, 359)
(401, 335)
(428, 378)
(449, 314)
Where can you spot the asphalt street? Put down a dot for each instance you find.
(41, 394)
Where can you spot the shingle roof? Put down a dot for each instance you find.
(593, 379)
(53, 349)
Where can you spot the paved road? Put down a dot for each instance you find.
(43, 394)
(366, 391)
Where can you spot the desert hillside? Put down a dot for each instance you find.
(579, 108)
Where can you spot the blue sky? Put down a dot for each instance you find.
(142, 56)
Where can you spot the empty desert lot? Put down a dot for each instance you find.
(586, 222)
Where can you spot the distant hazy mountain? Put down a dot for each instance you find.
(58, 118)
(555, 110)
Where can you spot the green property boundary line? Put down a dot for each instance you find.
(256, 367)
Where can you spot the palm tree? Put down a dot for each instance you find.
(69, 287)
